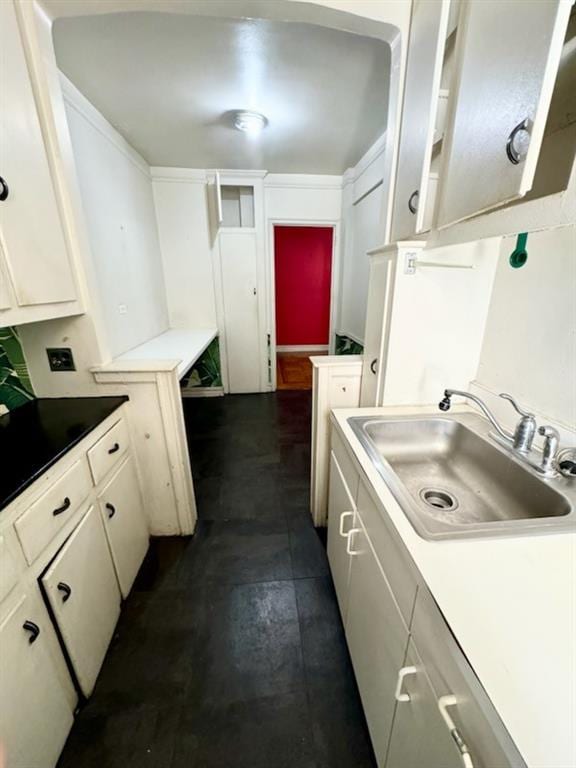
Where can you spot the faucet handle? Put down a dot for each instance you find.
(515, 405)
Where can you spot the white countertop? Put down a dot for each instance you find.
(173, 348)
(511, 603)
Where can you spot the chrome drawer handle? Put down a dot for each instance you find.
(34, 630)
(66, 590)
(511, 152)
(115, 448)
(66, 505)
(343, 516)
(350, 536)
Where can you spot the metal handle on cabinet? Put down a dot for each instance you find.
(3, 190)
(373, 365)
(341, 526)
(349, 537)
(511, 151)
(115, 448)
(398, 695)
(413, 201)
(34, 630)
(111, 510)
(66, 590)
(65, 505)
(451, 701)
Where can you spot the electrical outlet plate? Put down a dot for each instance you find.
(60, 359)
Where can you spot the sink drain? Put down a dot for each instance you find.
(438, 499)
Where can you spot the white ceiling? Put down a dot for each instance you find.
(168, 82)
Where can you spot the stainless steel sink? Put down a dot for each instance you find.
(452, 480)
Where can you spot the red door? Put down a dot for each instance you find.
(303, 267)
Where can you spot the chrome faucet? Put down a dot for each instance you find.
(522, 438)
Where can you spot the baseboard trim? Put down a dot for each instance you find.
(203, 392)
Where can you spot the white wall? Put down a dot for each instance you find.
(184, 231)
(529, 346)
(363, 217)
(116, 191)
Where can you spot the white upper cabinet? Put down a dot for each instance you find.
(37, 270)
(507, 58)
(421, 100)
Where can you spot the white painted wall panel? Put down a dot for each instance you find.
(529, 346)
(183, 228)
(295, 197)
(116, 192)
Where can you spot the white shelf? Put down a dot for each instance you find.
(174, 348)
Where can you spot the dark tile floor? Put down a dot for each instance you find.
(230, 652)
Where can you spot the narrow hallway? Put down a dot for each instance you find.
(230, 652)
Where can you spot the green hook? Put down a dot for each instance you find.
(519, 255)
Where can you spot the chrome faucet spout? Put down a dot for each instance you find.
(445, 404)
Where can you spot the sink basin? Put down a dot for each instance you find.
(452, 480)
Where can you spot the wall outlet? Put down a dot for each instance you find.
(60, 359)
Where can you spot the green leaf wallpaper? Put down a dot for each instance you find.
(347, 346)
(206, 371)
(15, 384)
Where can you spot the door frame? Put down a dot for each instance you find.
(332, 224)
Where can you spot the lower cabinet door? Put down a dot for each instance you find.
(126, 527)
(420, 736)
(377, 639)
(35, 714)
(341, 516)
(82, 589)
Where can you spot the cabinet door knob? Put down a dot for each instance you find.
(34, 630)
(3, 189)
(111, 510)
(513, 154)
(65, 505)
(413, 201)
(115, 448)
(66, 590)
(373, 365)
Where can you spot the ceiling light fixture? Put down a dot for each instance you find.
(249, 122)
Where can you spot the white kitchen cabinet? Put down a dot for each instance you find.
(35, 713)
(336, 384)
(420, 736)
(82, 590)
(419, 114)
(38, 264)
(126, 529)
(506, 63)
(377, 639)
(341, 520)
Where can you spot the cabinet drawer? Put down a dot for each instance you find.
(9, 569)
(451, 675)
(394, 560)
(42, 521)
(108, 450)
(351, 477)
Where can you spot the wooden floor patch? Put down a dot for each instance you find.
(294, 370)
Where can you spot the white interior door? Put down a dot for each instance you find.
(32, 231)
(238, 260)
(83, 593)
(507, 63)
(423, 73)
(35, 715)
